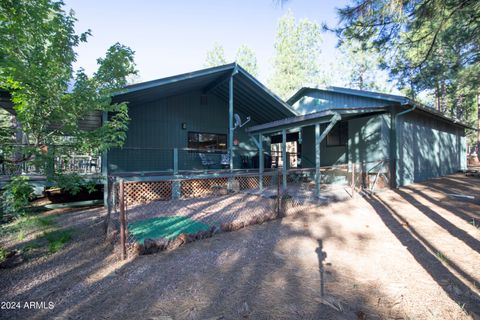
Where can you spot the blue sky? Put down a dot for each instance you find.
(171, 37)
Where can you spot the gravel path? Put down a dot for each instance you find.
(366, 258)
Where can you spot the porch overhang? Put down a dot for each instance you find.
(324, 116)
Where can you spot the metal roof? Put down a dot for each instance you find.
(396, 101)
(249, 94)
(322, 116)
(360, 93)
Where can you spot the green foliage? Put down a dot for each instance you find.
(6, 128)
(73, 183)
(57, 239)
(246, 59)
(3, 254)
(37, 51)
(16, 196)
(215, 56)
(297, 52)
(429, 47)
(360, 67)
(25, 224)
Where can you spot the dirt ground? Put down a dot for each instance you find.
(412, 253)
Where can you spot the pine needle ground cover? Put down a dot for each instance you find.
(168, 227)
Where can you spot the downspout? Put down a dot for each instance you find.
(396, 140)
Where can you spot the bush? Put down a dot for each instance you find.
(16, 196)
(71, 183)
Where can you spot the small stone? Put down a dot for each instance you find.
(161, 244)
(214, 230)
(148, 244)
(226, 227)
(137, 248)
(183, 238)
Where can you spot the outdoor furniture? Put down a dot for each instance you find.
(225, 160)
(206, 162)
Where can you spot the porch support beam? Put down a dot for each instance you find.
(104, 168)
(284, 159)
(230, 122)
(261, 165)
(317, 160)
(318, 140)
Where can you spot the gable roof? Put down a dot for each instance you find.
(382, 98)
(347, 91)
(249, 94)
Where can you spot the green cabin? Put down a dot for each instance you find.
(223, 119)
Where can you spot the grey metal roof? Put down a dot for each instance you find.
(249, 94)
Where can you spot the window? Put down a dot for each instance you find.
(207, 141)
(338, 136)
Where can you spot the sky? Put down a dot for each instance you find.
(173, 37)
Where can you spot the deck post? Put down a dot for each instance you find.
(261, 165)
(122, 220)
(176, 189)
(317, 160)
(230, 122)
(104, 167)
(230, 130)
(50, 168)
(284, 160)
(175, 161)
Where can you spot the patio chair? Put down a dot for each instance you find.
(205, 161)
(225, 160)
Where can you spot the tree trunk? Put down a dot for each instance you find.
(443, 106)
(478, 125)
(437, 96)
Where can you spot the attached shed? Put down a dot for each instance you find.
(418, 142)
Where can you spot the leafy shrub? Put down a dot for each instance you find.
(3, 254)
(73, 183)
(57, 239)
(16, 196)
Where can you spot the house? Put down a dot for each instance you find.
(221, 121)
(180, 126)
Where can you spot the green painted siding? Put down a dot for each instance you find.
(328, 155)
(315, 100)
(428, 148)
(155, 129)
(369, 140)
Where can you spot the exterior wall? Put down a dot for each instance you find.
(155, 129)
(316, 100)
(368, 143)
(428, 148)
(369, 140)
(328, 155)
